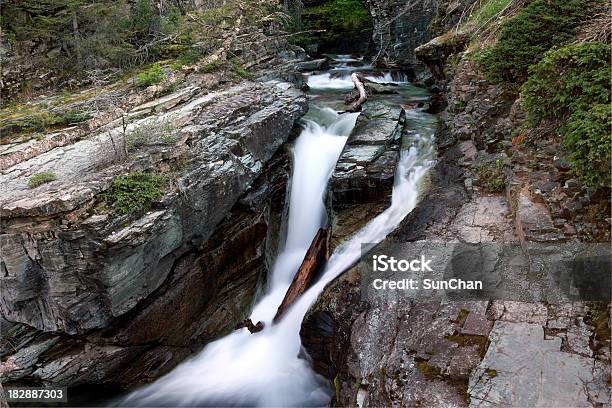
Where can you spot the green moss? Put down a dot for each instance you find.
(134, 192)
(471, 340)
(429, 371)
(212, 67)
(41, 178)
(526, 37)
(358, 384)
(337, 385)
(598, 316)
(570, 87)
(491, 373)
(150, 76)
(462, 316)
(37, 122)
(239, 69)
(491, 176)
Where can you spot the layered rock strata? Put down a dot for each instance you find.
(95, 296)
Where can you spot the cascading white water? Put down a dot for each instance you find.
(389, 78)
(327, 81)
(264, 368)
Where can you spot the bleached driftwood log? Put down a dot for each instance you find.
(363, 96)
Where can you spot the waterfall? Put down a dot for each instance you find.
(264, 369)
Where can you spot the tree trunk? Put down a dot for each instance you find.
(77, 41)
(316, 256)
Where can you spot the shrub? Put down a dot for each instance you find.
(44, 121)
(567, 79)
(571, 88)
(151, 76)
(527, 36)
(149, 132)
(491, 176)
(134, 192)
(587, 140)
(41, 178)
(239, 69)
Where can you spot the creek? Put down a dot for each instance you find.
(269, 368)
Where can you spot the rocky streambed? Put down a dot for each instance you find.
(91, 295)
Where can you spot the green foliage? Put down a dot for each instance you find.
(144, 20)
(487, 11)
(150, 76)
(85, 34)
(239, 69)
(587, 140)
(491, 175)
(571, 88)
(429, 371)
(44, 121)
(41, 178)
(342, 20)
(598, 316)
(526, 37)
(567, 79)
(212, 67)
(135, 192)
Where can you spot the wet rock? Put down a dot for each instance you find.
(362, 182)
(312, 65)
(396, 33)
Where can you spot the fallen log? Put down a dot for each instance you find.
(363, 96)
(371, 88)
(316, 256)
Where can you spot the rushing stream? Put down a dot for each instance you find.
(264, 369)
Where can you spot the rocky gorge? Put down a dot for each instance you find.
(96, 294)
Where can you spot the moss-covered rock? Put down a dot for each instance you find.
(347, 25)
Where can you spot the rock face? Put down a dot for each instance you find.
(364, 172)
(361, 184)
(208, 291)
(399, 27)
(524, 367)
(53, 249)
(435, 52)
(144, 290)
